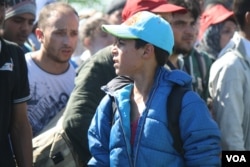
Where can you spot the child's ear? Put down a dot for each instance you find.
(148, 50)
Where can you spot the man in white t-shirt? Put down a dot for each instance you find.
(51, 76)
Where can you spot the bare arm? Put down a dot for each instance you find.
(21, 135)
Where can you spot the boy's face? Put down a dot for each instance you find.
(127, 59)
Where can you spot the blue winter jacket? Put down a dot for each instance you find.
(109, 135)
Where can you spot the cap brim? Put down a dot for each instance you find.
(213, 15)
(121, 31)
(223, 17)
(167, 8)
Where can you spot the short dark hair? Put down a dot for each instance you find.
(45, 13)
(161, 55)
(240, 8)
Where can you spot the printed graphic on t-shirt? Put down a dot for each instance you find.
(45, 103)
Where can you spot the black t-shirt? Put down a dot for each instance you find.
(14, 88)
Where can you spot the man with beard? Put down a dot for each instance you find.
(185, 57)
(51, 75)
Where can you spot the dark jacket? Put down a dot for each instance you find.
(85, 97)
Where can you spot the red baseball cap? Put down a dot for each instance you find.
(156, 6)
(213, 15)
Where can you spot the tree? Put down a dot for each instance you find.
(81, 4)
(85, 2)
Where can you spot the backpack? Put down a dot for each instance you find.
(174, 107)
(174, 110)
(52, 148)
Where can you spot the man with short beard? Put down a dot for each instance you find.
(51, 75)
(185, 57)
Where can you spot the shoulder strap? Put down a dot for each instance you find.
(174, 106)
(114, 107)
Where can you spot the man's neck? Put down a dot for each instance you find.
(174, 60)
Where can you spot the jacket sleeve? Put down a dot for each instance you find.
(99, 134)
(200, 133)
(227, 89)
(85, 98)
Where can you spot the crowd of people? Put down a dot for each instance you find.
(107, 76)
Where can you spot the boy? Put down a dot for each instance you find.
(137, 134)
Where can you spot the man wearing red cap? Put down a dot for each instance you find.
(93, 74)
(185, 57)
(155, 6)
(229, 84)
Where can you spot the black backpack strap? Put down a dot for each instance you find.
(174, 107)
(114, 107)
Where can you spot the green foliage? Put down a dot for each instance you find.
(85, 2)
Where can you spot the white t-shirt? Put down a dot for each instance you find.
(49, 93)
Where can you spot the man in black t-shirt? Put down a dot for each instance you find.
(15, 130)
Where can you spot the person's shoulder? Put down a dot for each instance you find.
(71, 68)
(178, 77)
(232, 46)
(208, 59)
(29, 60)
(200, 52)
(104, 52)
(116, 84)
(231, 51)
(103, 58)
(7, 43)
(12, 49)
(228, 60)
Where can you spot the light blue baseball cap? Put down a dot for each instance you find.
(146, 26)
